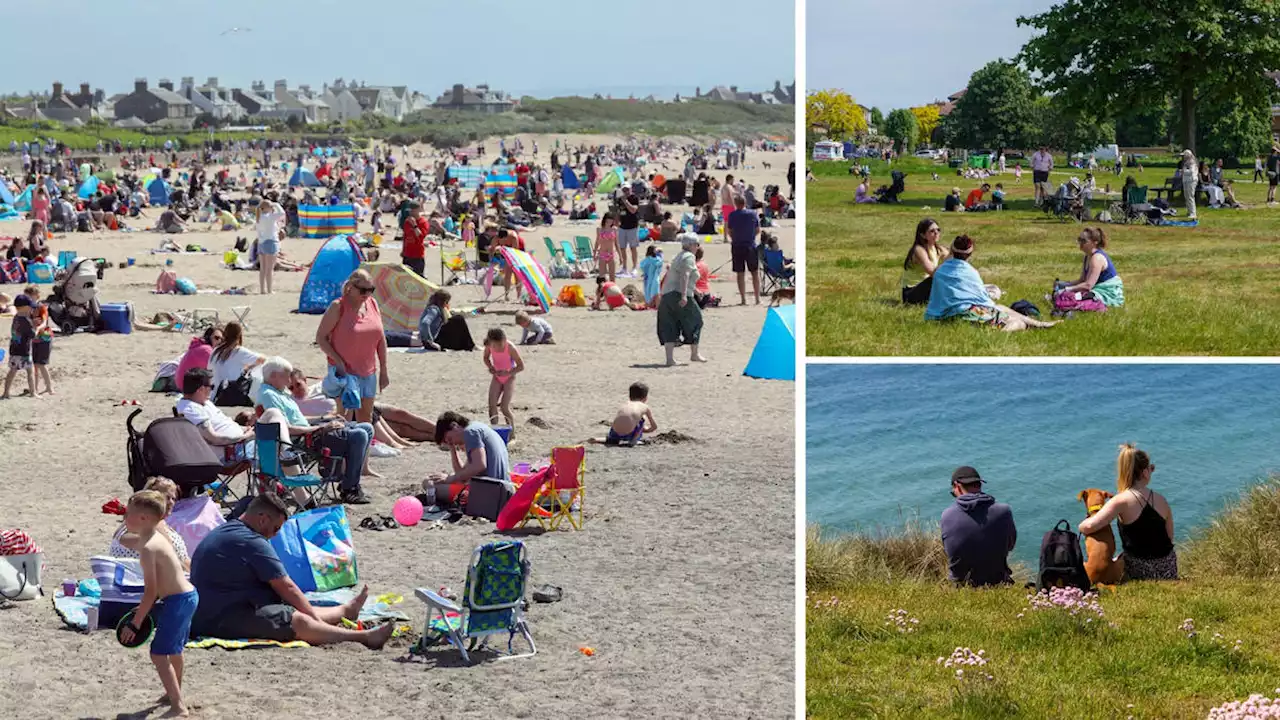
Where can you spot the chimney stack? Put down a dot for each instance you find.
(84, 90)
(188, 82)
(140, 85)
(282, 87)
(57, 91)
(212, 82)
(458, 92)
(166, 84)
(733, 89)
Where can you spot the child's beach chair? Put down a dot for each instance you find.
(567, 489)
(269, 461)
(457, 265)
(552, 250)
(492, 603)
(569, 256)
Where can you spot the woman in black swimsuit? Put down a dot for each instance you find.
(1144, 517)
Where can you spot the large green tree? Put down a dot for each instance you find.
(1060, 126)
(1144, 127)
(1109, 56)
(1231, 128)
(877, 117)
(997, 109)
(902, 128)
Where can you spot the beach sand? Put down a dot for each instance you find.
(682, 579)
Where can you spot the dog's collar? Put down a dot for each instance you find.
(1093, 508)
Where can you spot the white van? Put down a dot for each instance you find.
(1106, 152)
(828, 150)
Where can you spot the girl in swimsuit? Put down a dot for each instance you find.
(606, 250)
(504, 362)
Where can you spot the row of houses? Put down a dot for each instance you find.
(178, 106)
(779, 95)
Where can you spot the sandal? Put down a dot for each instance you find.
(370, 524)
(547, 594)
(388, 522)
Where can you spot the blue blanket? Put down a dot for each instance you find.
(956, 288)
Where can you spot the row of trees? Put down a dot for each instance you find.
(1190, 72)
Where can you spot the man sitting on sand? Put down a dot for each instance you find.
(486, 456)
(628, 426)
(977, 533)
(245, 592)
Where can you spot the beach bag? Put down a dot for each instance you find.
(167, 282)
(316, 549)
(1077, 302)
(1061, 560)
(185, 286)
(572, 296)
(20, 563)
(236, 393)
(11, 272)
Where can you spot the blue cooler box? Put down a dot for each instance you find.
(116, 317)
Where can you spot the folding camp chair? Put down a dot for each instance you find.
(1135, 205)
(569, 256)
(776, 274)
(491, 603)
(457, 265)
(582, 244)
(242, 314)
(552, 250)
(272, 453)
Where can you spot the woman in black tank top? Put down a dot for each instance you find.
(1147, 540)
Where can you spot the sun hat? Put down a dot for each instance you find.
(966, 475)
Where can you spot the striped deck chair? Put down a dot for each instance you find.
(492, 603)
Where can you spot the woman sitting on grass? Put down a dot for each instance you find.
(922, 261)
(1145, 519)
(1098, 276)
(958, 292)
(863, 193)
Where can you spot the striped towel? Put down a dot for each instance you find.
(17, 542)
(323, 221)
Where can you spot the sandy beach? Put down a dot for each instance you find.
(682, 579)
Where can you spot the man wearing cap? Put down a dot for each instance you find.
(977, 533)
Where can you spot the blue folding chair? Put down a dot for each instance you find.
(272, 455)
(492, 603)
(776, 273)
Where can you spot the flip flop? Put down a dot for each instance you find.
(370, 524)
(388, 522)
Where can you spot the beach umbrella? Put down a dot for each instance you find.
(531, 275)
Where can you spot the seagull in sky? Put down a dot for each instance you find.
(236, 30)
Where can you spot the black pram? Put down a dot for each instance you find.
(890, 193)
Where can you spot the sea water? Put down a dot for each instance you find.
(882, 440)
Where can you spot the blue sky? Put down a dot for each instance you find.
(581, 45)
(911, 52)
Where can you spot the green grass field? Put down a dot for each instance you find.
(1188, 291)
(1132, 662)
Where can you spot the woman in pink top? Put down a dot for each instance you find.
(198, 354)
(352, 337)
(40, 206)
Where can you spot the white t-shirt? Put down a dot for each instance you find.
(269, 223)
(224, 371)
(219, 423)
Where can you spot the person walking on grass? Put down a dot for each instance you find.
(1273, 173)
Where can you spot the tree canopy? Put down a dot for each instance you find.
(877, 117)
(835, 112)
(927, 120)
(997, 110)
(1060, 126)
(1106, 57)
(901, 127)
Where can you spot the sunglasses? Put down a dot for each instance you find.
(363, 289)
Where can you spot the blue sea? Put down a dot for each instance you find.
(882, 440)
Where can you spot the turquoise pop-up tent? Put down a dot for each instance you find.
(775, 355)
(6, 196)
(304, 178)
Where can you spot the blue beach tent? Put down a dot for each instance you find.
(304, 178)
(775, 355)
(336, 259)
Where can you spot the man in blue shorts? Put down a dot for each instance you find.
(744, 226)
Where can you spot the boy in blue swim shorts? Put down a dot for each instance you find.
(165, 581)
(629, 425)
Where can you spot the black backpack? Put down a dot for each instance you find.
(1061, 560)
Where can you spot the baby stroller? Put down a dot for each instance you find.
(73, 304)
(1067, 203)
(173, 448)
(890, 193)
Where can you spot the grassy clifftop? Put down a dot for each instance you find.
(880, 614)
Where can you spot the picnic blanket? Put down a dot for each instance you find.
(71, 610)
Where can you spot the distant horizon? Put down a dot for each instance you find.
(619, 92)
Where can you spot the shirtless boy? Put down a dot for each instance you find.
(629, 424)
(164, 580)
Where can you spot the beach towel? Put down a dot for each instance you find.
(956, 288)
(193, 518)
(1111, 292)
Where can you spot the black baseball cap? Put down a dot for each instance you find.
(22, 301)
(966, 475)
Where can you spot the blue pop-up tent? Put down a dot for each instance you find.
(775, 355)
(569, 178)
(6, 196)
(333, 263)
(304, 178)
(88, 187)
(159, 192)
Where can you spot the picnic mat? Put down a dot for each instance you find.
(72, 612)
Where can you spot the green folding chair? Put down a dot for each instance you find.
(582, 244)
(552, 250)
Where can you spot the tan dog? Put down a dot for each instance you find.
(780, 294)
(1101, 545)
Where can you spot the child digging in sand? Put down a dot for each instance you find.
(164, 580)
(536, 330)
(504, 362)
(21, 337)
(628, 426)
